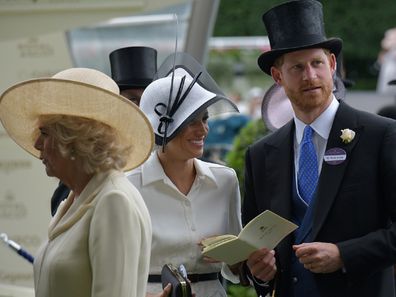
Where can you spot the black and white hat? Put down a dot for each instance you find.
(183, 90)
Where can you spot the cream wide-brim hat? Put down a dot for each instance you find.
(79, 92)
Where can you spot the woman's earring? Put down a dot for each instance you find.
(72, 156)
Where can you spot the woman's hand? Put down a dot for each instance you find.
(164, 293)
(206, 258)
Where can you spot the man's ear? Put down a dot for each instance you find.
(333, 63)
(276, 75)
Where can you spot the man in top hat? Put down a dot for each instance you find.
(330, 170)
(133, 69)
(276, 109)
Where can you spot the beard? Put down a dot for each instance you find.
(307, 101)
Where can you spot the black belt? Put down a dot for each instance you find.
(194, 278)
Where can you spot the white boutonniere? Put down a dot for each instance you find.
(347, 135)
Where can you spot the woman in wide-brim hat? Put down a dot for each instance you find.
(133, 69)
(86, 134)
(188, 199)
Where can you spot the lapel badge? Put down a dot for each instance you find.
(335, 156)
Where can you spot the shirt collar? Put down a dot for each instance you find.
(152, 171)
(321, 125)
(204, 172)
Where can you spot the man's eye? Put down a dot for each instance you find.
(297, 67)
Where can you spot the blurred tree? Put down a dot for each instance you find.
(252, 132)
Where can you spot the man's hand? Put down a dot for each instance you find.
(262, 264)
(319, 257)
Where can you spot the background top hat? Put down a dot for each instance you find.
(133, 67)
(293, 26)
(341, 74)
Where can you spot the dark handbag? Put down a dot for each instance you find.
(180, 285)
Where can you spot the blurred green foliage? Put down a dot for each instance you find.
(239, 291)
(249, 134)
(360, 23)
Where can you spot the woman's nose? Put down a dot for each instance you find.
(38, 144)
(204, 127)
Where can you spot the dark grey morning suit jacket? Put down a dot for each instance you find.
(354, 207)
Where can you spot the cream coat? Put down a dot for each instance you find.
(98, 245)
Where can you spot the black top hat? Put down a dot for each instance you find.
(293, 26)
(133, 67)
(340, 77)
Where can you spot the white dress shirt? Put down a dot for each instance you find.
(321, 126)
(180, 222)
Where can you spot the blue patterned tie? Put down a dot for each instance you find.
(307, 167)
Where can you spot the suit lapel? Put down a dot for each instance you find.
(332, 175)
(279, 157)
(71, 212)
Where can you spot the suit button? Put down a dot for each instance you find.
(295, 280)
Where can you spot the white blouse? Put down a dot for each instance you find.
(180, 222)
